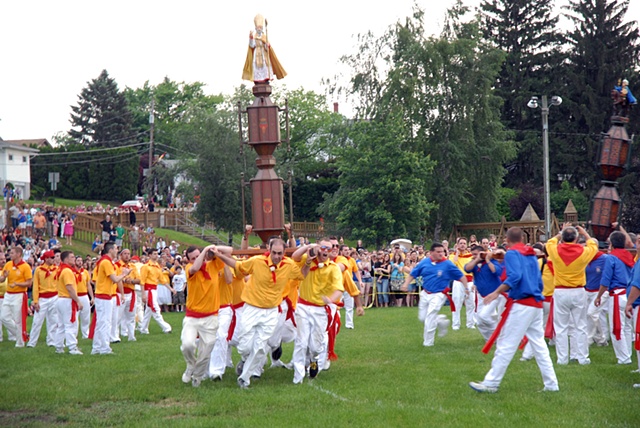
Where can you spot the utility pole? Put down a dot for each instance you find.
(151, 126)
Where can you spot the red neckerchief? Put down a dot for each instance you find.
(21, 262)
(119, 263)
(597, 256)
(62, 267)
(48, 270)
(316, 265)
(525, 250)
(78, 273)
(273, 268)
(465, 255)
(103, 258)
(550, 265)
(205, 272)
(569, 252)
(624, 256)
(439, 261)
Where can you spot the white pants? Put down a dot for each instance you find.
(257, 326)
(428, 308)
(220, 354)
(622, 347)
(310, 342)
(84, 316)
(597, 328)
(102, 333)
(459, 297)
(323, 359)
(487, 315)
(49, 312)
(11, 316)
(522, 320)
(128, 317)
(570, 304)
(348, 309)
(148, 313)
(115, 319)
(197, 356)
(140, 306)
(285, 330)
(67, 331)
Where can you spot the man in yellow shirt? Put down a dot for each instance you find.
(3, 290)
(68, 305)
(321, 286)
(262, 297)
(85, 294)
(459, 293)
(570, 260)
(202, 307)
(220, 354)
(15, 305)
(151, 277)
(127, 313)
(106, 279)
(45, 296)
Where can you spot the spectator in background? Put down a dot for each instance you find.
(134, 239)
(97, 245)
(161, 245)
(132, 217)
(50, 214)
(68, 230)
(106, 228)
(14, 211)
(119, 235)
(382, 272)
(178, 281)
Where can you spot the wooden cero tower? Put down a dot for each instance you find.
(267, 197)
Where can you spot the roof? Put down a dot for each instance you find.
(37, 142)
(529, 214)
(19, 147)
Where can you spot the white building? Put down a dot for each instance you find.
(15, 163)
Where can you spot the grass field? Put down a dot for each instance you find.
(384, 377)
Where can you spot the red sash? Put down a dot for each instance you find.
(334, 329)
(92, 326)
(529, 301)
(25, 313)
(234, 318)
(132, 304)
(550, 331)
(617, 324)
(74, 311)
(48, 294)
(148, 288)
(637, 343)
(290, 313)
(193, 314)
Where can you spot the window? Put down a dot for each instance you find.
(10, 157)
(24, 159)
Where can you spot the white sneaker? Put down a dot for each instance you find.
(636, 385)
(550, 389)
(59, 350)
(195, 382)
(216, 377)
(481, 387)
(75, 351)
(443, 325)
(186, 376)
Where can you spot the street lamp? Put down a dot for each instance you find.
(533, 103)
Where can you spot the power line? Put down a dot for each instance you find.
(176, 149)
(92, 150)
(91, 160)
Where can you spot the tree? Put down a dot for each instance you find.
(102, 117)
(526, 31)
(382, 193)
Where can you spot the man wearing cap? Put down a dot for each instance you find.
(106, 279)
(15, 306)
(68, 305)
(127, 314)
(45, 296)
(85, 294)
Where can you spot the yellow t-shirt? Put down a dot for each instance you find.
(463, 259)
(83, 284)
(263, 291)
(226, 290)
(67, 276)
(151, 273)
(104, 270)
(3, 288)
(132, 275)
(573, 273)
(203, 297)
(238, 288)
(18, 273)
(320, 281)
(43, 281)
(548, 287)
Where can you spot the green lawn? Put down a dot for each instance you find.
(384, 377)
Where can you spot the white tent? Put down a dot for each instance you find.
(405, 243)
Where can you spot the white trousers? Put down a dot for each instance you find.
(310, 341)
(487, 315)
(49, 312)
(348, 309)
(197, 355)
(67, 331)
(622, 347)
(115, 319)
(323, 359)
(11, 316)
(128, 317)
(84, 316)
(257, 326)
(459, 297)
(102, 333)
(285, 330)
(428, 308)
(220, 354)
(597, 327)
(570, 304)
(157, 315)
(522, 320)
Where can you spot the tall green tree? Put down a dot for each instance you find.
(527, 33)
(102, 117)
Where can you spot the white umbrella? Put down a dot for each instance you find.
(405, 243)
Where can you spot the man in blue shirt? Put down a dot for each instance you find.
(436, 273)
(486, 278)
(522, 316)
(597, 326)
(615, 277)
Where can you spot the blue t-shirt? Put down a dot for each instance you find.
(635, 281)
(486, 281)
(523, 276)
(436, 275)
(616, 274)
(594, 272)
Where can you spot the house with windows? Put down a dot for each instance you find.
(15, 163)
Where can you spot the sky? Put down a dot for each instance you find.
(50, 50)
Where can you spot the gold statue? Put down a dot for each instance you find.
(262, 64)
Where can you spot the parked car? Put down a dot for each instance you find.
(133, 205)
